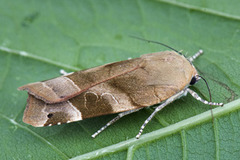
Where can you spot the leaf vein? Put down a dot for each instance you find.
(32, 56)
(184, 144)
(216, 136)
(64, 156)
(201, 9)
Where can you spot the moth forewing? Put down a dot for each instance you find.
(124, 86)
(65, 87)
(38, 113)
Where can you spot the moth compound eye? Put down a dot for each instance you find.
(193, 81)
(49, 115)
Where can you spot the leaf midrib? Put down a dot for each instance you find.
(163, 132)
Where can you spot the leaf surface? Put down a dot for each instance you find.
(38, 38)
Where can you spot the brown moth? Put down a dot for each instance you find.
(122, 87)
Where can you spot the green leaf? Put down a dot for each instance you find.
(38, 38)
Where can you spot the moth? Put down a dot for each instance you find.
(122, 87)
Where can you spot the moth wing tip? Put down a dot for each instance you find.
(21, 88)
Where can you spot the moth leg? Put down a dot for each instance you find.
(120, 115)
(197, 97)
(64, 73)
(160, 107)
(191, 59)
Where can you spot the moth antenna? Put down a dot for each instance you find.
(150, 41)
(210, 95)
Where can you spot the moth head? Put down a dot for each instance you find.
(195, 79)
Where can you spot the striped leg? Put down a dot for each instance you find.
(160, 107)
(197, 97)
(120, 115)
(191, 59)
